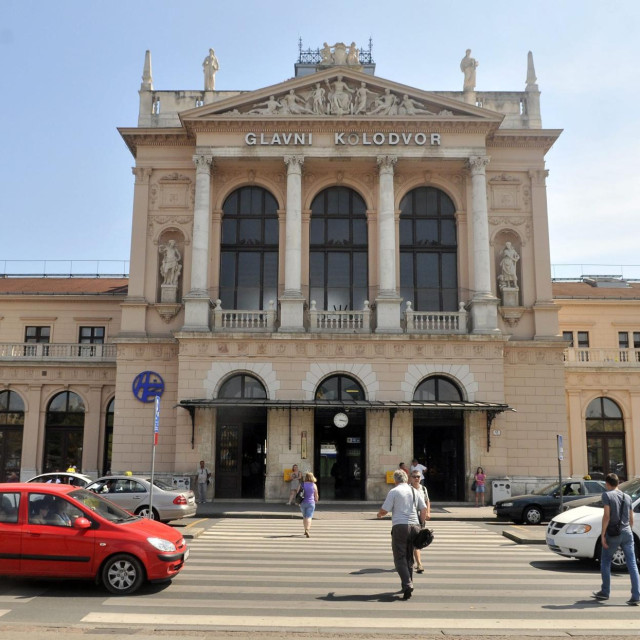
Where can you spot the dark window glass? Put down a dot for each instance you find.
(428, 250)
(606, 452)
(583, 339)
(623, 340)
(11, 431)
(437, 388)
(636, 339)
(64, 432)
(567, 336)
(338, 263)
(91, 335)
(340, 387)
(38, 335)
(242, 386)
(250, 238)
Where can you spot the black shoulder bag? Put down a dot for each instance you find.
(424, 537)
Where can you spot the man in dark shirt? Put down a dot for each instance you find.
(617, 521)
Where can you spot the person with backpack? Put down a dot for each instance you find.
(617, 521)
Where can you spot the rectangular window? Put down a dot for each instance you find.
(567, 336)
(91, 335)
(583, 339)
(38, 335)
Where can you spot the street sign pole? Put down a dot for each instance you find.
(156, 425)
(560, 458)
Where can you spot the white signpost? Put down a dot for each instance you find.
(560, 459)
(156, 429)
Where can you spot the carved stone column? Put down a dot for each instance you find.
(292, 300)
(388, 301)
(484, 305)
(197, 301)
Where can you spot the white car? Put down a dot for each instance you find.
(575, 533)
(63, 477)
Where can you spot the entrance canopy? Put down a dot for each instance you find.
(491, 408)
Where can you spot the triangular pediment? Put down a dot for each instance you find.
(340, 92)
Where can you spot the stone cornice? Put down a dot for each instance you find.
(169, 137)
(523, 138)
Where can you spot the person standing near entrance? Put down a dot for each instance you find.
(295, 478)
(479, 479)
(421, 489)
(308, 505)
(404, 504)
(203, 480)
(617, 521)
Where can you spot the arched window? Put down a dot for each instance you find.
(249, 250)
(605, 439)
(340, 387)
(108, 436)
(428, 250)
(11, 429)
(242, 386)
(338, 271)
(439, 389)
(64, 430)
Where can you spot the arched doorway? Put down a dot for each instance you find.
(438, 439)
(64, 432)
(11, 430)
(606, 450)
(241, 441)
(339, 437)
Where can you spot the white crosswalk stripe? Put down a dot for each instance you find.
(264, 575)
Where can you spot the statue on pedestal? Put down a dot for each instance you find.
(508, 277)
(468, 67)
(170, 268)
(209, 66)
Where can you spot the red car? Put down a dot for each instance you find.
(62, 531)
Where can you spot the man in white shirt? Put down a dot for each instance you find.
(403, 503)
(416, 466)
(203, 481)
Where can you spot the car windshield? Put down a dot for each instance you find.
(630, 487)
(161, 485)
(106, 509)
(550, 488)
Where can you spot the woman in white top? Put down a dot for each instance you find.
(422, 490)
(294, 478)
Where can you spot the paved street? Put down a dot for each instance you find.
(249, 574)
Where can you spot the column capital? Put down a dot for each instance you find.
(294, 164)
(477, 164)
(142, 174)
(538, 177)
(386, 164)
(203, 162)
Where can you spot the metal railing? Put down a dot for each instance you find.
(242, 320)
(598, 356)
(340, 321)
(57, 351)
(64, 268)
(436, 321)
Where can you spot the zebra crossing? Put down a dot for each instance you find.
(247, 575)
(263, 574)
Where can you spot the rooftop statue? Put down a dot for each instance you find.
(209, 66)
(340, 54)
(468, 67)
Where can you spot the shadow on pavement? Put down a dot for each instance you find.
(362, 572)
(374, 597)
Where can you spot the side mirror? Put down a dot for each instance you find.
(81, 523)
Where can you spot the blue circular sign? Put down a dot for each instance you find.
(147, 385)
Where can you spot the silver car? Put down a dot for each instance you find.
(132, 493)
(63, 477)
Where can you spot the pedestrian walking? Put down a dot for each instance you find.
(204, 477)
(308, 505)
(420, 468)
(617, 521)
(295, 478)
(479, 480)
(416, 483)
(405, 505)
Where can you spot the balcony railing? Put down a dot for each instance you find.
(239, 320)
(605, 357)
(434, 322)
(55, 351)
(340, 321)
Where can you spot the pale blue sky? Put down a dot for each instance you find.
(71, 72)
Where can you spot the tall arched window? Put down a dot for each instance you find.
(249, 250)
(64, 430)
(11, 429)
(338, 271)
(108, 436)
(605, 439)
(439, 389)
(242, 386)
(340, 387)
(428, 250)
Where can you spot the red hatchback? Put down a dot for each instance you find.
(61, 531)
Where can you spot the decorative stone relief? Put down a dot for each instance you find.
(173, 191)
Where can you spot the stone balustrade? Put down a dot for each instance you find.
(340, 321)
(606, 357)
(55, 351)
(241, 320)
(436, 322)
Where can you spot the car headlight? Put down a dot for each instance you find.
(506, 504)
(161, 545)
(578, 528)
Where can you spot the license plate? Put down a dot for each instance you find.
(186, 555)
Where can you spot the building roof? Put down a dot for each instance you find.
(584, 290)
(64, 286)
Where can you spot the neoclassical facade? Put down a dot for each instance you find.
(337, 271)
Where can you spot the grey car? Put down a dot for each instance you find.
(133, 492)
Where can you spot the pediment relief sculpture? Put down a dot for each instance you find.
(340, 96)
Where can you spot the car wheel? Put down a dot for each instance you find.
(122, 574)
(143, 512)
(532, 515)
